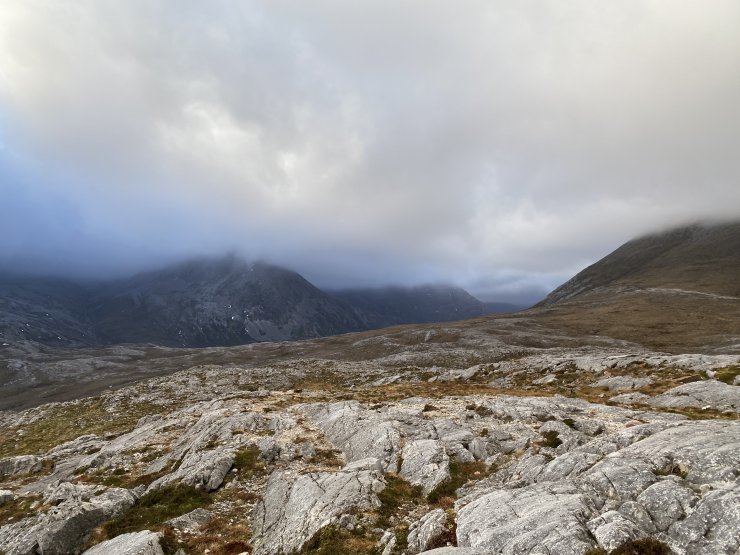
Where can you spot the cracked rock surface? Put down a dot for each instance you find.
(513, 456)
(294, 507)
(134, 543)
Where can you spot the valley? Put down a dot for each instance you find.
(604, 420)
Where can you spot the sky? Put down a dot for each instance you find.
(500, 146)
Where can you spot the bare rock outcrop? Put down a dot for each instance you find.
(542, 518)
(22, 464)
(704, 394)
(359, 433)
(427, 530)
(425, 463)
(202, 469)
(295, 507)
(135, 543)
(622, 383)
(63, 528)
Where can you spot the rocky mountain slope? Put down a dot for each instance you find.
(199, 303)
(702, 260)
(221, 302)
(392, 306)
(207, 303)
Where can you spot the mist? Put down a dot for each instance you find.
(497, 146)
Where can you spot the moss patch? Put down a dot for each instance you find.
(336, 541)
(396, 493)
(550, 439)
(727, 375)
(247, 461)
(648, 546)
(19, 508)
(154, 508)
(460, 474)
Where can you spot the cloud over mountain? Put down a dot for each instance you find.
(497, 145)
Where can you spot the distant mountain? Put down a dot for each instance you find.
(391, 306)
(195, 304)
(211, 302)
(45, 310)
(217, 302)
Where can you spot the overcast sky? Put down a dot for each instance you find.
(498, 145)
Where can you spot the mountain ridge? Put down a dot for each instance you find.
(211, 302)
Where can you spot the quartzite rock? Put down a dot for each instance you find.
(427, 530)
(135, 543)
(63, 529)
(425, 464)
(297, 506)
(542, 518)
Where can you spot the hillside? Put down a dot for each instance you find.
(695, 259)
(677, 291)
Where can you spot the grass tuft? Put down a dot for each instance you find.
(550, 439)
(247, 461)
(332, 540)
(647, 546)
(727, 375)
(396, 493)
(460, 474)
(69, 421)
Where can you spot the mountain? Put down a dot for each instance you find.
(391, 306)
(211, 302)
(677, 291)
(217, 302)
(196, 304)
(46, 310)
(702, 259)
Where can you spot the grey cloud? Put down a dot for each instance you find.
(498, 145)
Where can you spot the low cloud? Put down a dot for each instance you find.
(501, 146)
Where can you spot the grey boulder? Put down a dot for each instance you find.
(427, 530)
(63, 529)
(297, 506)
(201, 469)
(22, 464)
(537, 519)
(425, 464)
(135, 543)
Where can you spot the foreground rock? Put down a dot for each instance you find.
(203, 469)
(709, 393)
(546, 518)
(295, 508)
(75, 511)
(135, 543)
(425, 463)
(427, 531)
(23, 464)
